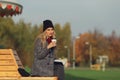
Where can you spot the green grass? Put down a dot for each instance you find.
(86, 74)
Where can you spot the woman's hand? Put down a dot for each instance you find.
(52, 44)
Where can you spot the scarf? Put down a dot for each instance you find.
(49, 39)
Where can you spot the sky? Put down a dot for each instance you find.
(83, 15)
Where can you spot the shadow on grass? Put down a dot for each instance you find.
(71, 77)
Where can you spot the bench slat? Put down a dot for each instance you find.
(38, 78)
(7, 68)
(6, 62)
(5, 57)
(9, 74)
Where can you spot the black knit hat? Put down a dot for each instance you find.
(47, 24)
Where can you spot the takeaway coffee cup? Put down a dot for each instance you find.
(54, 40)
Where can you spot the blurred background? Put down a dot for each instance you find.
(87, 31)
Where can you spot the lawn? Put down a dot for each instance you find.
(86, 74)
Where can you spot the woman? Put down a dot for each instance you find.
(43, 64)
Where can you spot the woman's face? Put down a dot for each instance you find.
(49, 32)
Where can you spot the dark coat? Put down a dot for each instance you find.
(43, 64)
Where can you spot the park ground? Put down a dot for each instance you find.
(87, 74)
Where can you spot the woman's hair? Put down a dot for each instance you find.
(43, 37)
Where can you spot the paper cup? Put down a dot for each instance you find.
(54, 40)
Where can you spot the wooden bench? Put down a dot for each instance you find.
(9, 63)
(95, 67)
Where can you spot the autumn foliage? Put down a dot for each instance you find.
(101, 45)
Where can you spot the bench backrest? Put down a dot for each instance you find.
(8, 64)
